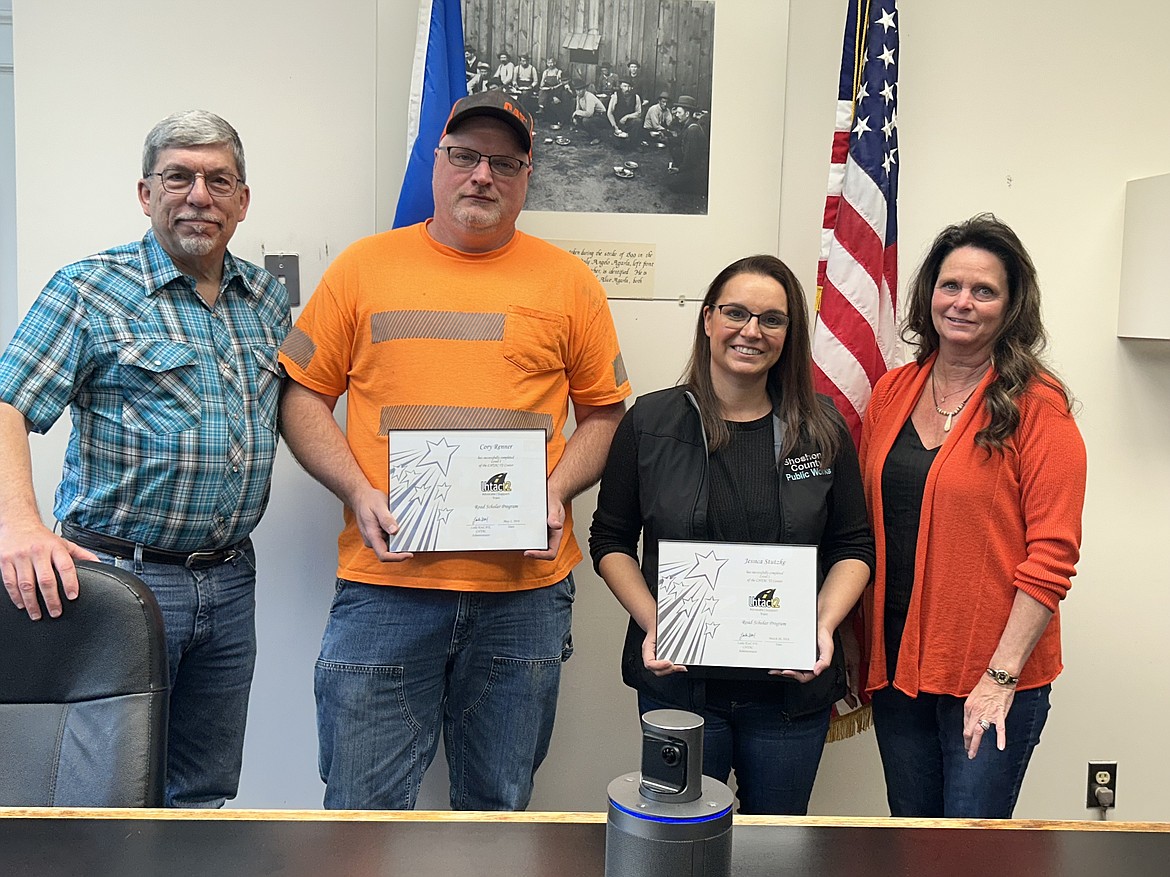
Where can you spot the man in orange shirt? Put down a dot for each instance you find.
(461, 321)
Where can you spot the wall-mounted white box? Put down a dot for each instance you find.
(1143, 310)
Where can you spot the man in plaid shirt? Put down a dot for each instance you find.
(164, 349)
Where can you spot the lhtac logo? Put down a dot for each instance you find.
(496, 484)
(765, 600)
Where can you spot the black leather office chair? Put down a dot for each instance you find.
(83, 698)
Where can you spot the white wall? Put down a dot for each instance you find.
(1000, 110)
(8, 310)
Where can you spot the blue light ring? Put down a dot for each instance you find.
(685, 820)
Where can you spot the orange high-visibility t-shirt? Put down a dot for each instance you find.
(419, 335)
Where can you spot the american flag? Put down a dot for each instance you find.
(857, 278)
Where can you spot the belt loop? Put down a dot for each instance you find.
(138, 567)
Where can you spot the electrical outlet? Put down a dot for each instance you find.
(287, 269)
(1102, 774)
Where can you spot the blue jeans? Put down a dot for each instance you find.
(775, 758)
(399, 663)
(927, 770)
(210, 621)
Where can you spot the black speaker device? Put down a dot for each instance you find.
(668, 820)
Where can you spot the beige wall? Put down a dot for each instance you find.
(1005, 106)
(8, 304)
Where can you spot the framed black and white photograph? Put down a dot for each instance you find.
(620, 91)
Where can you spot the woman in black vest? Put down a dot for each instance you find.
(743, 450)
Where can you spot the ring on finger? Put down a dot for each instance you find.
(984, 724)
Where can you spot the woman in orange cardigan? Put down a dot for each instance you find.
(975, 477)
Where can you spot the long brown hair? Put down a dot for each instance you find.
(790, 384)
(1017, 352)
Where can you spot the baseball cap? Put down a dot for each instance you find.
(496, 105)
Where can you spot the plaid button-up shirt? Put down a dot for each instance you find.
(174, 403)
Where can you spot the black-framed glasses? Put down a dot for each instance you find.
(738, 315)
(180, 181)
(466, 159)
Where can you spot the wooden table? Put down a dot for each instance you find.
(289, 843)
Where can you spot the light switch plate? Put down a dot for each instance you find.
(287, 268)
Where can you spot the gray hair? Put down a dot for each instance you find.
(191, 128)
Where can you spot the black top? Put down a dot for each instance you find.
(744, 507)
(659, 483)
(743, 477)
(903, 485)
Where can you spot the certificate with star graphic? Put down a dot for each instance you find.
(737, 604)
(468, 489)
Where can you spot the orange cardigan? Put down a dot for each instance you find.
(989, 525)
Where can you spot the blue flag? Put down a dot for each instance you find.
(438, 81)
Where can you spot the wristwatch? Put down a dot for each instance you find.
(1002, 677)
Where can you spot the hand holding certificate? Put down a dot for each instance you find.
(732, 604)
(468, 489)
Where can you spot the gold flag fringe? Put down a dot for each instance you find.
(855, 722)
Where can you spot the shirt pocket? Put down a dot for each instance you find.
(160, 386)
(535, 340)
(265, 379)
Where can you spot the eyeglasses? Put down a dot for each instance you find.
(768, 321)
(504, 165)
(180, 181)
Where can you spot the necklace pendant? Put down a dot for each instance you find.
(950, 418)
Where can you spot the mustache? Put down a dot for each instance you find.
(482, 191)
(197, 217)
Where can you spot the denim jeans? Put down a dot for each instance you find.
(398, 663)
(927, 770)
(775, 758)
(210, 621)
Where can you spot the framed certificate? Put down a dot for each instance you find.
(737, 604)
(468, 489)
